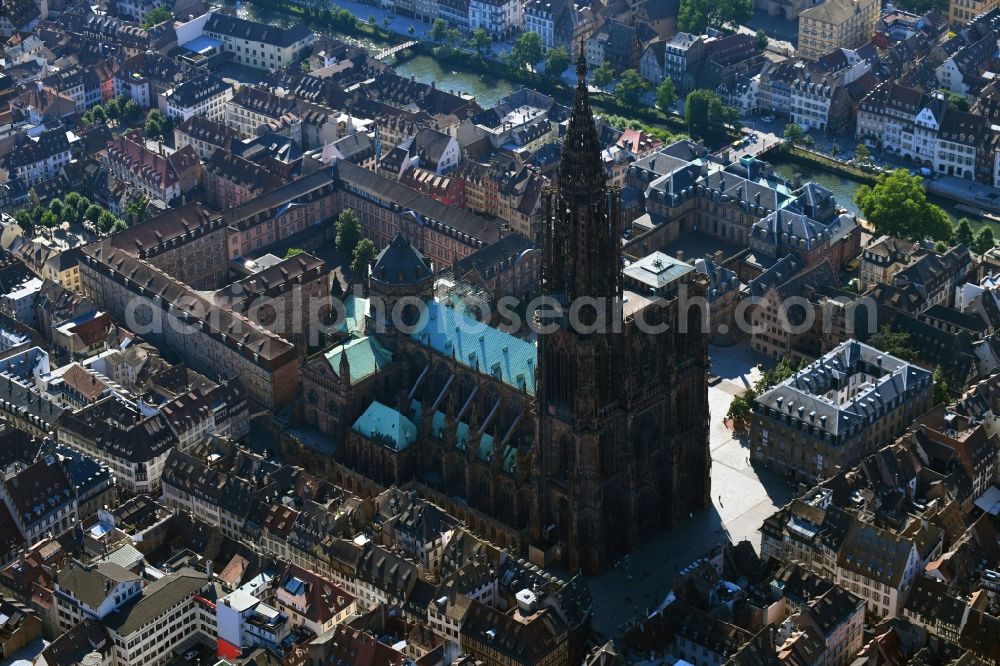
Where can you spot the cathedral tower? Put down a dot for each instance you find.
(622, 414)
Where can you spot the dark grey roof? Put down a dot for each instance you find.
(92, 584)
(400, 263)
(258, 32)
(157, 598)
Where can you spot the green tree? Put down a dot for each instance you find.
(527, 50)
(348, 232)
(153, 128)
(86, 119)
(556, 62)
(761, 40)
(23, 218)
(113, 108)
(964, 233)
(893, 343)
(696, 15)
(157, 16)
(93, 213)
(834, 150)
(56, 206)
(136, 210)
(808, 141)
(794, 134)
(363, 254)
(292, 251)
(898, 206)
(940, 246)
(861, 153)
(603, 76)
(630, 88)
(74, 199)
(666, 94)
(49, 219)
(99, 115)
(741, 407)
(131, 111)
(703, 113)
(942, 394)
(106, 221)
(439, 29)
(984, 241)
(480, 40)
(956, 101)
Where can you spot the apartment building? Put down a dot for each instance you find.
(836, 24)
(500, 18)
(160, 176)
(132, 445)
(836, 411)
(36, 158)
(252, 108)
(171, 315)
(203, 95)
(961, 12)
(259, 45)
(144, 624)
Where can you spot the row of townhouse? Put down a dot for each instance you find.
(924, 128)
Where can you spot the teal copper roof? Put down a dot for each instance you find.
(387, 426)
(354, 316)
(485, 452)
(479, 346)
(365, 356)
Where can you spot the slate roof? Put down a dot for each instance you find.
(400, 263)
(157, 598)
(803, 393)
(90, 584)
(258, 32)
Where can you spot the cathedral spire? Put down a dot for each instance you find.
(582, 232)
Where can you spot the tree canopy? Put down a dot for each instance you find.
(630, 88)
(556, 62)
(984, 241)
(963, 232)
(696, 15)
(898, 206)
(794, 133)
(942, 393)
(761, 39)
(603, 75)
(705, 115)
(666, 94)
(364, 252)
(894, 343)
(157, 16)
(480, 40)
(527, 50)
(348, 232)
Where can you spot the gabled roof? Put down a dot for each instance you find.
(385, 425)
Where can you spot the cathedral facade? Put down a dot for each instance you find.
(576, 443)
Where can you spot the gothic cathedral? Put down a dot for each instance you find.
(622, 413)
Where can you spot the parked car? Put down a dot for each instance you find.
(767, 119)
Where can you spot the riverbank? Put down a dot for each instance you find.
(798, 155)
